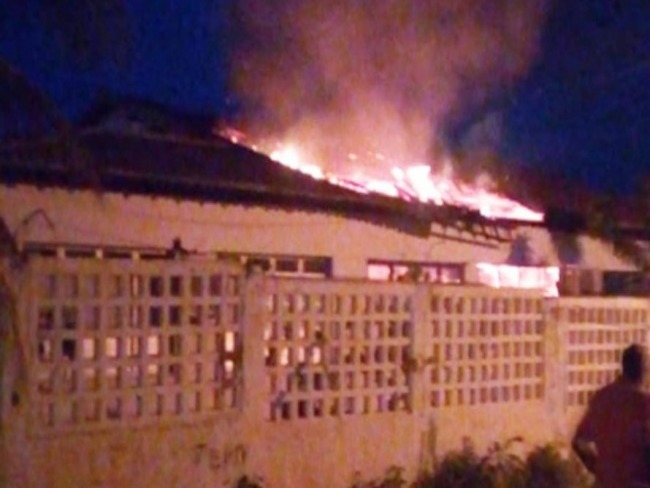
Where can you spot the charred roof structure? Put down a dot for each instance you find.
(168, 176)
(216, 170)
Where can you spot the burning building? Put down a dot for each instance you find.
(218, 198)
(181, 306)
(190, 301)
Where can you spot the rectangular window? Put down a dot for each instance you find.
(215, 285)
(258, 264)
(156, 286)
(286, 265)
(318, 266)
(46, 318)
(45, 354)
(415, 271)
(92, 286)
(175, 345)
(48, 286)
(176, 286)
(196, 286)
(69, 349)
(70, 317)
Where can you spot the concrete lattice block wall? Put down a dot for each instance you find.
(188, 373)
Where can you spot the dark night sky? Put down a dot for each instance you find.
(584, 108)
(176, 56)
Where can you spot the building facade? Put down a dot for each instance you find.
(197, 314)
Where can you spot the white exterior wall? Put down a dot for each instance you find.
(420, 367)
(83, 217)
(593, 332)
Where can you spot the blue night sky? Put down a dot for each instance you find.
(583, 109)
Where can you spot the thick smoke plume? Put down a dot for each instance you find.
(383, 75)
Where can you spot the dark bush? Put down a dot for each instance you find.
(247, 482)
(546, 468)
(394, 478)
(458, 469)
(500, 467)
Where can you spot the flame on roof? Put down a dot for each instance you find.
(411, 183)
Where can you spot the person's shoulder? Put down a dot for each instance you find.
(644, 392)
(601, 396)
(610, 391)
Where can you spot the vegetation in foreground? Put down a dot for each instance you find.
(543, 467)
(499, 467)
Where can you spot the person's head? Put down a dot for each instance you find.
(634, 363)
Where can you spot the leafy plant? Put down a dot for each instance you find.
(393, 478)
(546, 468)
(249, 482)
(503, 468)
(500, 467)
(458, 469)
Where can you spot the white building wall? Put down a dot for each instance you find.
(84, 217)
(417, 369)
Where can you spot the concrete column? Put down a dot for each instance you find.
(419, 347)
(15, 409)
(423, 417)
(255, 395)
(555, 367)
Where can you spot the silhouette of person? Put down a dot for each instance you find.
(613, 434)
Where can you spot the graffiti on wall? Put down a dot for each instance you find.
(216, 459)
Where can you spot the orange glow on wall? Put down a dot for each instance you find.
(520, 277)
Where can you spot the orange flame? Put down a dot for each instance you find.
(412, 183)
